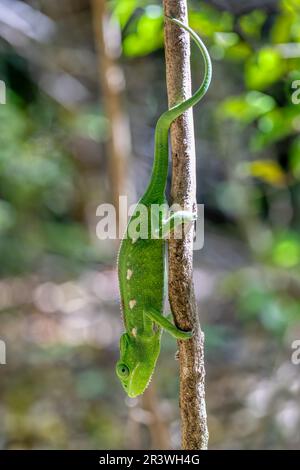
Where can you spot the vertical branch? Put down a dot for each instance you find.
(108, 45)
(183, 192)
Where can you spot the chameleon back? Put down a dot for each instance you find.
(141, 267)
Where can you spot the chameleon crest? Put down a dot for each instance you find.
(141, 260)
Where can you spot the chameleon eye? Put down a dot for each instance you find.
(122, 370)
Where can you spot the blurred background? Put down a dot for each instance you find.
(85, 85)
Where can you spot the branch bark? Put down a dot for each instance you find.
(183, 192)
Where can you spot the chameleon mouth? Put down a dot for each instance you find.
(130, 393)
(140, 390)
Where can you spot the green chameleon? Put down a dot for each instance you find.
(141, 260)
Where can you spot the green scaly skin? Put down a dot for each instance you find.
(141, 262)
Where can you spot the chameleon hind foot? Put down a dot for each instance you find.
(163, 322)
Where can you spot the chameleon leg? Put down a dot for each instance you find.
(167, 325)
(176, 219)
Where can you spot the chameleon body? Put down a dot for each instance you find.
(141, 261)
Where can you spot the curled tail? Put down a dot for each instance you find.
(180, 108)
(158, 180)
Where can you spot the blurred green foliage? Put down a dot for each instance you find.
(49, 181)
(38, 184)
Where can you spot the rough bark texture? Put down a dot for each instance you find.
(183, 192)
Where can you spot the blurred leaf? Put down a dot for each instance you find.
(18, 253)
(281, 30)
(90, 125)
(294, 158)
(290, 6)
(68, 240)
(34, 168)
(226, 39)
(209, 20)
(216, 336)
(251, 24)
(231, 198)
(274, 317)
(257, 300)
(264, 68)
(7, 216)
(13, 125)
(228, 45)
(286, 251)
(276, 125)
(266, 170)
(238, 52)
(287, 24)
(254, 299)
(148, 36)
(246, 108)
(123, 10)
(90, 384)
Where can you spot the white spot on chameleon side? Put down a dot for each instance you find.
(134, 240)
(129, 274)
(132, 303)
(134, 332)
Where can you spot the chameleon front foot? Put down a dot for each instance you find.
(165, 323)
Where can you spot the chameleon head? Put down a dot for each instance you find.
(137, 362)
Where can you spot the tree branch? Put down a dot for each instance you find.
(183, 192)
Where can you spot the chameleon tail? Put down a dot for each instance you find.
(180, 108)
(158, 180)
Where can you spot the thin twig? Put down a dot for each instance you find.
(183, 192)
